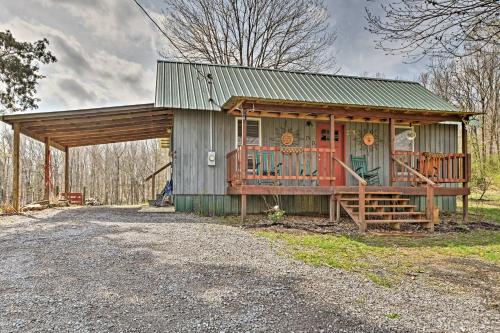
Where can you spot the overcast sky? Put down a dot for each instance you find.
(107, 50)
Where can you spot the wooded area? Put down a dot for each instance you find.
(113, 174)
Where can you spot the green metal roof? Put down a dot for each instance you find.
(185, 86)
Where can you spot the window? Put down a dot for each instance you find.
(253, 131)
(325, 135)
(403, 140)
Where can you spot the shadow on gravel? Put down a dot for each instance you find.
(78, 279)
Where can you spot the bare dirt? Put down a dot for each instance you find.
(106, 269)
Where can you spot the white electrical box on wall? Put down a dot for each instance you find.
(211, 158)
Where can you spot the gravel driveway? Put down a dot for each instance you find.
(118, 270)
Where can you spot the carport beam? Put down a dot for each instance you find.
(16, 166)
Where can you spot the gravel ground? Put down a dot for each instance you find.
(117, 270)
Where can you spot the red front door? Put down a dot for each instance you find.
(323, 141)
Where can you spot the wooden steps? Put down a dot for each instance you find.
(382, 207)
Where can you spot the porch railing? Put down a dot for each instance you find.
(430, 185)
(437, 167)
(267, 163)
(361, 195)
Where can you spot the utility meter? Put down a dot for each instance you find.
(211, 158)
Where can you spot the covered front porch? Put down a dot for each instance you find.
(427, 165)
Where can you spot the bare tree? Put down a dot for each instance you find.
(279, 34)
(473, 83)
(417, 28)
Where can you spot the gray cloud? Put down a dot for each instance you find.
(75, 89)
(107, 49)
(71, 57)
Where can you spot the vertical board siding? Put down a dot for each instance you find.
(192, 176)
(377, 154)
(230, 204)
(438, 138)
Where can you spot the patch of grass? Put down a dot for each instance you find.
(393, 315)
(487, 209)
(386, 259)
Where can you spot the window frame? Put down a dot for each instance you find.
(412, 141)
(259, 120)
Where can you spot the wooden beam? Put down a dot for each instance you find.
(66, 170)
(49, 129)
(92, 119)
(466, 165)
(332, 149)
(108, 131)
(392, 148)
(47, 170)
(355, 112)
(16, 167)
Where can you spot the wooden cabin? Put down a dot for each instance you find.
(384, 151)
(269, 133)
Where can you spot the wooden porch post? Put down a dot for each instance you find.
(392, 135)
(465, 198)
(244, 162)
(66, 170)
(333, 206)
(47, 169)
(16, 166)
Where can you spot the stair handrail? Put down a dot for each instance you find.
(429, 205)
(413, 171)
(158, 171)
(153, 176)
(361, 191)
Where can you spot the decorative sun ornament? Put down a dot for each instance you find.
(368, 139)
(287, 138)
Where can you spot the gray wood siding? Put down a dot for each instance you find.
(191, 143)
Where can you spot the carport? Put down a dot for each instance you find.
(84, 127)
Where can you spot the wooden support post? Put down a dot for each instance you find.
(66, 170)
(244, 163)
(466, 166)
(243, 207)
(333, 214)
(392, 135)
(84, 196)
(361, 209)
(332, 149)
(244, 157)
(16, 166)
(337, 209)
(430, 206)
(47, 169)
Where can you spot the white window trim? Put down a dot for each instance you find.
(412, 141)
(236, 129)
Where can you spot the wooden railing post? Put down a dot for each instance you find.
(392, 135)
(466, 167)
(361, 209)
(430, 206)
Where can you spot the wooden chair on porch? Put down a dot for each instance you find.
(268, 167)
(360, 166)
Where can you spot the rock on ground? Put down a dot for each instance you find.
(110, 269)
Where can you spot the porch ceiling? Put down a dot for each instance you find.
(316, 111)
(86, 127)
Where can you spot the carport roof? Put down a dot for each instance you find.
(84, 127)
